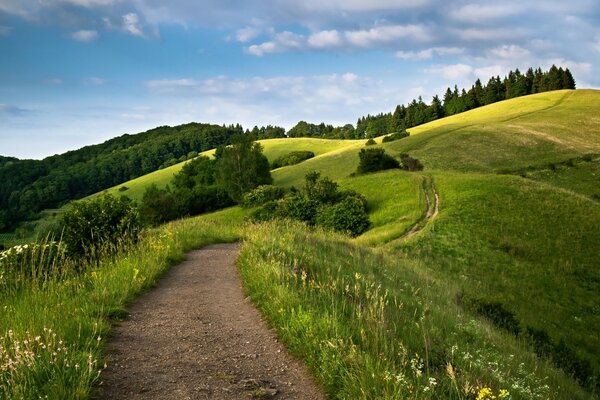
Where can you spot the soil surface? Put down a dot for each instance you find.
(195, 336)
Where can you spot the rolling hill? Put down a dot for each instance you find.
(508, 269)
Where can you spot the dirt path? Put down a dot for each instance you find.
(432, 201)
(195, 336)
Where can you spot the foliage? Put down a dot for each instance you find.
(409, 163)
(320, 203)
(372, 160)
(242, 167)
(103, 223)
(347, 216)
(158, 206)
(370, 142)
(292, 158)
(394, 136)
(261, 195)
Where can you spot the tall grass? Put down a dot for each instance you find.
(372, 326)
(53, 325)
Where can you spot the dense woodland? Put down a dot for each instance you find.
(29, 186)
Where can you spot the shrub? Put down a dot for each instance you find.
(372, 160)
(370, 142)
(299, 208)
(348, 216)
(496, 313)
(394, 136)
(294, 157)
(262, 195)
(410, 164)
(158, 206)
(102, 223)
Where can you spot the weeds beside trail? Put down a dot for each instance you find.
(53, 325)
(375, 327)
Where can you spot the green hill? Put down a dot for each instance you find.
(506, 270)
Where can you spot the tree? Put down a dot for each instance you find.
(242, 167)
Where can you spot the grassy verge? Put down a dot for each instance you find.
(53, 326)
(377, 327)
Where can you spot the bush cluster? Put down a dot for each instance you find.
(261, 195)
(320, 203)
(395, 136)
(410, 164)
(294, 157)
(372, 160)
(98, 225)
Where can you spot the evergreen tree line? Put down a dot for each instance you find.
(29, 186)
(515, 84)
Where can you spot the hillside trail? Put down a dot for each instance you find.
(432, 201)
(195, 336)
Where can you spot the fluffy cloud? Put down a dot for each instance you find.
(482, 13)
(85, 35)
(387, 34)
(324, 39)
(248, 33)
(131, 24)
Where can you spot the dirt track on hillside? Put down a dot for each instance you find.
(195, 336)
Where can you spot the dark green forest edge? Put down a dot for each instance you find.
(30, 186)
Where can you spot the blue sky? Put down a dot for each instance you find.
(78, 72)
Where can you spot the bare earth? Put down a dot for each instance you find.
(195, 336)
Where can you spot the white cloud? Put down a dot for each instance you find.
(480, 13)
(131, 24)
(454, 72)
(245, 34)
(85, 35)
(387, 34)
(282, 42)
(510, 52)
(324, 39)
(427, 54)
(485, 73)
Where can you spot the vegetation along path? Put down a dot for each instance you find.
(195, 336)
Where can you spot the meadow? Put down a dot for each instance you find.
(497, 295)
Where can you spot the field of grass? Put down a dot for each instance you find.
(581, 177)
(376, 326)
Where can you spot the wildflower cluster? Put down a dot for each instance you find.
(24, 262)
(29, 360)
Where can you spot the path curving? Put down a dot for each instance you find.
(432, 200)
(195, 336)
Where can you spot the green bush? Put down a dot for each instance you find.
(410, 164)
(347, 216)
(101, 224)
(370, 142)
(261, 195)
(394, 136)
(372, 160)
(294, 157)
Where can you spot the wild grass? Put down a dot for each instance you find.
(373, 326)
(54, 321)
(529, 246)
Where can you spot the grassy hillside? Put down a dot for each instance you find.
(508, 269)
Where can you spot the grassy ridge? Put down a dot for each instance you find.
(52, 330)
